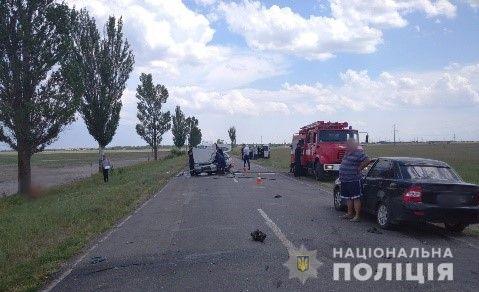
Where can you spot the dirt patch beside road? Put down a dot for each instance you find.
(52, 169)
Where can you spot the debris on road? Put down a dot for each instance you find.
(97, 259)
(258, 235)
(277, 196)
(259, 180)
(374, 230)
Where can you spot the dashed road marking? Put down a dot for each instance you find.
(277, 231)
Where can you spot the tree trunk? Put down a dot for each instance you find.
(155, 150)
(101, 151)
(24, 171)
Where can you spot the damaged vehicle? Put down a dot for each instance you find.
(205, 159)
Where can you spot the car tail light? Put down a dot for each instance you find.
(412, 195)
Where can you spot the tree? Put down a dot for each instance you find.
(179, 128)
(105, 66)
(37, 99)
(232, 134)
(194, 138)
(153, 122)
(191, 122)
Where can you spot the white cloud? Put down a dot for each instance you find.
(174, 43)
(473, 3)
(169, 27)
(205, 2)
(354, 26)
(454, 86)
(229, 69)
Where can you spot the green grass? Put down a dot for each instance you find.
(463, 157)
(55, 159)
(38, 235)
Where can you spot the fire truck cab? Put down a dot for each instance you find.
(324, 147)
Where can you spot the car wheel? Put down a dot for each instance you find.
(384, 216)
(338, 206)
(319, 172)
(455, 228)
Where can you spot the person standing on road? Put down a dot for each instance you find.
(191, 161)
(353, 162)
(245, 156)
(220, 160)
(105, 166)
(297, 158)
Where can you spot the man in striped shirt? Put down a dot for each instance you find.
(350, 177)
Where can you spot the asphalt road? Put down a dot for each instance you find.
(195, 235)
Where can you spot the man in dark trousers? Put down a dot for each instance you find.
(220, 160)
(191, 161)
(297, 158)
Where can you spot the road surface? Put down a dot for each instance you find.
(194, 235)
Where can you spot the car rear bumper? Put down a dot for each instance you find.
(433, 213)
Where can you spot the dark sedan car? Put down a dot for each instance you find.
(398, 189)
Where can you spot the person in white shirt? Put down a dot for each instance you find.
(245, 156)
(105, 165)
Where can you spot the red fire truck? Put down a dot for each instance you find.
(324, 147)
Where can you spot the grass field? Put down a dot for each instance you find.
(38, 235)
(54, 159)
(463, 157)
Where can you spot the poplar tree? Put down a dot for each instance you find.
(153, 122)
(179, 128)
(105, 64)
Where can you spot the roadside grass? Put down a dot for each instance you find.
(55, 159)
(38, 235)
(463, 157)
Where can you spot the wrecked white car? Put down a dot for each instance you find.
(206, 159)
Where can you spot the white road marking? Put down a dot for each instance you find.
(277, 231)
(236, 181)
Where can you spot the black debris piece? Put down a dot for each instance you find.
(258, 235)
(277, 196)
(374, 230)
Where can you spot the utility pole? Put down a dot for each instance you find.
(394, 134)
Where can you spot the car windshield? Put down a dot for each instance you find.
(336, 135)
(419, 172)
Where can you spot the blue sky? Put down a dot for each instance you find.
(269, 67)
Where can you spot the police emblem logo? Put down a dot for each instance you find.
(302, 263)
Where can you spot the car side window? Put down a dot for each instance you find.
(365, 170)
(382, 169)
